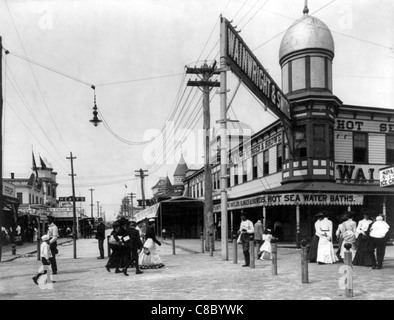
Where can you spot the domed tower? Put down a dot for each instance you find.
(305, 56)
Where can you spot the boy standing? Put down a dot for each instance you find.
(46, 257)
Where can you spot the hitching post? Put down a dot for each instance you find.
(349, 271)
(251, 251)
(108, 247)
(235, 247)
(202, 242)
(304, 261)
(274, 251)
(211, 239)
(173, 244)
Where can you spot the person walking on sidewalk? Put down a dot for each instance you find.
(245, 230)
(312, 254)
(266, 248)
(115, 245)
(148, 258)
(46, 258)
(134, 244)
(100, 236)
(53, 233)
(378, 239)
(258, 234)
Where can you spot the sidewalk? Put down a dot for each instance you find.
(25, 249)
(191, 276)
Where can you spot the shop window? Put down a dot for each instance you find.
(319, 145)
(19, 196)
(360, 147)
(255, 168)
(279, 157)
(390, 149)
(300, 142)
(235, 175)
(266, 163)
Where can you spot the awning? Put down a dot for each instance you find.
(148, 213)
(307, 193)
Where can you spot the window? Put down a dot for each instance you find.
(300, 142)
(194, 191)
(331, 140)
(266, 163)
(218, 179)
(214, 181)
(198, 190)
(202, 189)
(228, 178)
(218, 150)
(279, 157)
(37, 199)
(319, 146)
(254, 164)
(235, 175)
(30, 198)
(244, 172)
(390, 149)
(360, 147)
(19, 196)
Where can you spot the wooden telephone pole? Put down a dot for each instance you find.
(91, 202)
(141, 174)
(205, 73)
(1, 144)
(131, 213)
(75, 226)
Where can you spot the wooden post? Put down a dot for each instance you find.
(274, 251)
(235, 248)
(232, 226)
(13, 249)
(298, 226)
(173, 244)
(108, 247)
(349, 272)
(202, 242)
(264, 217)
(304, 261)
(251, 251)
(211, 240)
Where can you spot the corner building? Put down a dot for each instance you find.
(338, 149)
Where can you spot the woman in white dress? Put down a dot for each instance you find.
(265, 249)
(148, 258)
(325, 250)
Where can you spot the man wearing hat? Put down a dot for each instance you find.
(46, 257)
(100, 236)
(53, 233)
(246, 229)
(134, 244)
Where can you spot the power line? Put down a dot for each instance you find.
(257, 11)
(137, 80)
(250, 9)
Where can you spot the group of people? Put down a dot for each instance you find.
(366, 237)
(128, 250)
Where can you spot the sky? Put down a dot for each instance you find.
(134, 52)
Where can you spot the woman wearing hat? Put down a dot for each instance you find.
(148, 257)
(114, 244)
(312, 254)
(362, 257)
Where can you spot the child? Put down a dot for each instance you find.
(265, 250)
(46, 256)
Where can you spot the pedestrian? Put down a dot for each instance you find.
(349, 233)
(278, 230)
(362, 256)
(325, 249)
(100, 236)
(114, 244)
(164, 233)
(265, 249)
(312, 254)
(134, 245)
(378, 239)
(125, 254)
(5, 238)
(53, 233)
(339, 234)
(258, 234)
(46, 258)
(68, 232)
(245, 230)
(148, 258)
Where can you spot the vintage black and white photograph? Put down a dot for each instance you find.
(215, 152)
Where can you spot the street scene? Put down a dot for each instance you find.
(162, 150)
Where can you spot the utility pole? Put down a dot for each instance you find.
(132, 195)
(98, 209)
(205, 73)
(91, 202)
(141, 174)
(74, 208)
(1, 143)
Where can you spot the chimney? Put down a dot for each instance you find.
(12, 175)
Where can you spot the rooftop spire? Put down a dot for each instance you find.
(306, 10)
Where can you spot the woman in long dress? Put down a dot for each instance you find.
(312, 254)
(325, 251)
(349, 234)
(148, 258)
(114, 259)
(362, 257)
(265, 249)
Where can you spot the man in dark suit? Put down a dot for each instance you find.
(135, 244)
(100, 236)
